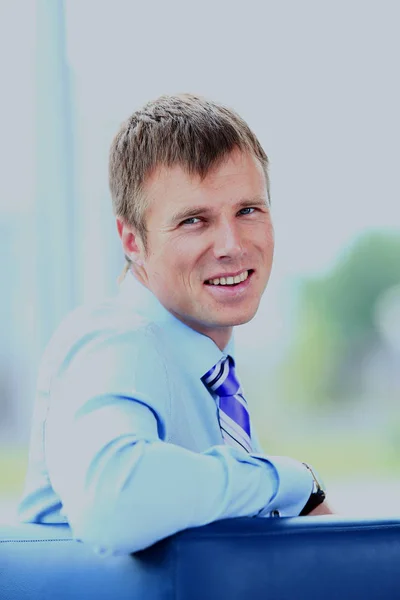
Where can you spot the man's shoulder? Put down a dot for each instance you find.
(107, 325)
(103, 319)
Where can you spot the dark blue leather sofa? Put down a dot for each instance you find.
(324, 558)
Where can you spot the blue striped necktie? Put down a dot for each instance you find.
(234, 418)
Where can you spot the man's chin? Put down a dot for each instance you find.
(240, 321)
(234, 320)
(214, 320)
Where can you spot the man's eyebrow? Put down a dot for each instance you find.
(195, 211)
(190, 211)
(258, 201)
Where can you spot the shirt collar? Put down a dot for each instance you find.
(197, 351)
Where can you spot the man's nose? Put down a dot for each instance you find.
(228, 242)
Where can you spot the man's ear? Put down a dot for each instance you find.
(131, 242)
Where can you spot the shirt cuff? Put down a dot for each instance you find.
(294, 487)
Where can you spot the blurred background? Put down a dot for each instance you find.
(319, 84)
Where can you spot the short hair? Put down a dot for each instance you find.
(185, 130)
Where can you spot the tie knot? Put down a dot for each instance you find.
(222, 379)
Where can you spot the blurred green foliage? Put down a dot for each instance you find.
(339, 454)
(13, 464)
(335, 327)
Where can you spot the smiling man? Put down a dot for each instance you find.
(141, 427)
(210, 243)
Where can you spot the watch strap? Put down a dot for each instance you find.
(317, 495)
(314, 500)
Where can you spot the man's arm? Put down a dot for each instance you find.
(123, 487)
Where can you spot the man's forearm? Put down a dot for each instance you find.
(135, 494)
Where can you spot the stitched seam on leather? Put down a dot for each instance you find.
(175, 569)
(35, 541)
(294, 532)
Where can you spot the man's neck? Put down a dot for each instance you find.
(219, 335)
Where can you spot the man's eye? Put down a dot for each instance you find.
(191, 221)
(247, 211)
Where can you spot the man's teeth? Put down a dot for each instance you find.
(229, 280)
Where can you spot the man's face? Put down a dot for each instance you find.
(210, 244)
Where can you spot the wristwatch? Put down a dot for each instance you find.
(317, 495)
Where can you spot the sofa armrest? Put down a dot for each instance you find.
(240, 559)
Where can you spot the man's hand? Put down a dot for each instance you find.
(321, 509)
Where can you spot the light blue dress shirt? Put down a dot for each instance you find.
(126, 444)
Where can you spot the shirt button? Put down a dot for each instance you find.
(275, 513)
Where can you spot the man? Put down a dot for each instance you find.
(141, 427)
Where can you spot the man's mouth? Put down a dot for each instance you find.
(230, 280)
